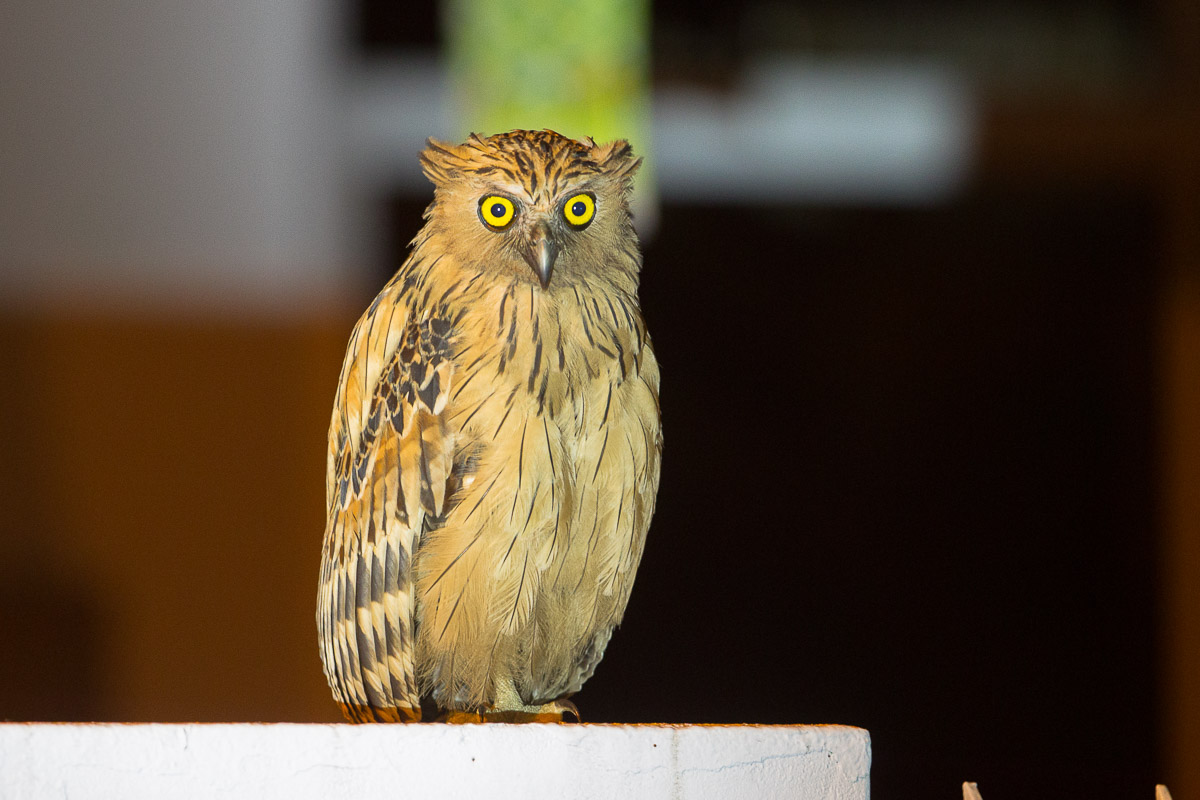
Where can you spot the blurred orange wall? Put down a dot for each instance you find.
(162, 512)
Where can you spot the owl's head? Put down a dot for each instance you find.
(535, 203)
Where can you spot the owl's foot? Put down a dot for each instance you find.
(550, 712)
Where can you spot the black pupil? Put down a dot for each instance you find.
(578, 208)
(498, 210)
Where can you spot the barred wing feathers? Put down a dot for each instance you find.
(390, 456)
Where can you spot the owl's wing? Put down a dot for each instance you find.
(389, 461)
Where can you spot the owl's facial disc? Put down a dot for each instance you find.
(542, 251)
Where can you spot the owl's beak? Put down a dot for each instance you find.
(542, 252)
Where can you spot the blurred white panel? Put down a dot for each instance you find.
(791, 131)
(819, 132)
(174, 152)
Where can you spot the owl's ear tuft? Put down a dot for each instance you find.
(440, 161)
(617, 159)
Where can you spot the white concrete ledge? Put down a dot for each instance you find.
(423, 761)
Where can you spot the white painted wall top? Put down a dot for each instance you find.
(84, 761)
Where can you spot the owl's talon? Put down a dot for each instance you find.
(566, 707)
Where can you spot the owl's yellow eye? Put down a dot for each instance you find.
(579, 210)
(496, 211)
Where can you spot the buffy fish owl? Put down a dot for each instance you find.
(495, 443)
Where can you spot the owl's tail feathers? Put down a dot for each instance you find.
(364, 618)
(358, 714)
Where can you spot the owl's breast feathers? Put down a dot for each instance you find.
(494, 457)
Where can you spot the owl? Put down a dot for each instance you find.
(495, 443)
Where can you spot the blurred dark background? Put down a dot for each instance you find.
(931, 467)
